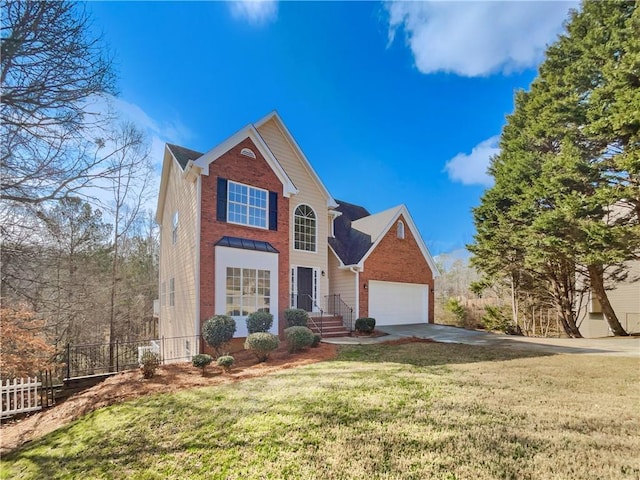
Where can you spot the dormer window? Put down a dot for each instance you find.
(400, 230)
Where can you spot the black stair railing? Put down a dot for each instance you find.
(337, 307)
(306, 302)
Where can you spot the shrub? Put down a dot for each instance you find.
(494, 318)
(201, 361)
(365, 325)
(455, 307)
(225, 362)
(298, 337)
(149, 362)
(259, 322)
(296, 317)
(218, 330)
(261, 344)
(316, 340)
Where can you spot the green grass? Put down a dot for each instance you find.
(413, 411)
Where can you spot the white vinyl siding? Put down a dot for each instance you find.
(342, 282)
(179, 260)
(309, 193)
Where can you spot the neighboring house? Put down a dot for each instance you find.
(625, 300)
(249, 226)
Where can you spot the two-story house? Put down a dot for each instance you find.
(250, 226)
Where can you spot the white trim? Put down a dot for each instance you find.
(293, 238)
(356, 270)
(315, 289)
(266, 227)
(316, 286)
(416, 234)
(288, 188)
(331, 203)
(293, 291)
(239, 258)
(164, 181)
(197, 259)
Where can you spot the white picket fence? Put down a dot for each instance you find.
(19, 395)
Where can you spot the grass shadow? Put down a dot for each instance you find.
(428, 353)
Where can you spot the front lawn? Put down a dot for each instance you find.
(413, 411)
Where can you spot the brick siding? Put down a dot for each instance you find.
(257, 173)
(396, 260)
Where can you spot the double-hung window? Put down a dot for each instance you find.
(248, 291)
(247, 205)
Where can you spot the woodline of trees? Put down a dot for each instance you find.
(563, 215)
(79, 250)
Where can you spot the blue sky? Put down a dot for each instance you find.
(396, 102)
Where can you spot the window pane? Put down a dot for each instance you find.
(247, 205)
(304, 229)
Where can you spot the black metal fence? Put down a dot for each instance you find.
(101, 358)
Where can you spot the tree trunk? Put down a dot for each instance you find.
(565, 306)
(514, 301)
(596, 279)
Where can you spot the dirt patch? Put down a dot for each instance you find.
(169, 378)
(374, 334)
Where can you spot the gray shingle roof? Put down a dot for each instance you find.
(183, 155)
(349, 244)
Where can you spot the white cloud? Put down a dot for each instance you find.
(471, 169)
(256, 12)
(477, 38)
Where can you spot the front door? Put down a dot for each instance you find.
(305, 288)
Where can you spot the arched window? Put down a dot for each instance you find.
(400, 230)
(304, 220)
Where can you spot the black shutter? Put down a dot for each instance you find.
(273, 211)
(221, 206)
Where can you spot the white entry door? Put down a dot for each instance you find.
(392, 303)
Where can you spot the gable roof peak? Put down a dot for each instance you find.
(273, 115)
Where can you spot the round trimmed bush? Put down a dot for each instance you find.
(365, 325)
(259, 322)
(298, 337)
(218, 330)
(261, 344)
(296, 317)
(316, 340)
(201, 361)
(149, 362)
(225, 362)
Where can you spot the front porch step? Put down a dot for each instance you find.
(332, 326)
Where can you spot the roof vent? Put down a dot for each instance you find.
(247, 152)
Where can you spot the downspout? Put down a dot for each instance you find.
(197, 261)
(356, 270)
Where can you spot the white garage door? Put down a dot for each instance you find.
(392, 303)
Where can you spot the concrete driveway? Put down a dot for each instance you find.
(611, 346)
